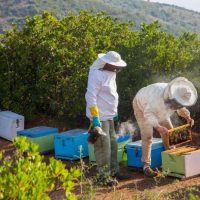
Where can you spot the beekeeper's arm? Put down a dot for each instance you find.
(185, 113)
(93, 88)
(151, 118)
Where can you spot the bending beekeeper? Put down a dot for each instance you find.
(102, 103)
(153, 105)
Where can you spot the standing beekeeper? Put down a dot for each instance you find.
(153, 105)
(102, 102)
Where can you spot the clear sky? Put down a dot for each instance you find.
(188, 4)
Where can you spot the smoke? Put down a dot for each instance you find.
(190, 75)
(126, 127)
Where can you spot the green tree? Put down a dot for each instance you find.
(27, 176)
(155, 56)
(45, 65)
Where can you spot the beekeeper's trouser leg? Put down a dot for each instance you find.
(105, 149)
(146, 131)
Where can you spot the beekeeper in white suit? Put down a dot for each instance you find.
(153, 105)
(102, 103)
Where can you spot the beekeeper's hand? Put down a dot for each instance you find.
(162, 130)
(95, 116)
(190, 121)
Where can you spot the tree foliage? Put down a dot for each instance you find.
(156, 56)
(44, 66)
(27, 176)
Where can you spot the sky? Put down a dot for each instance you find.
(188, 4)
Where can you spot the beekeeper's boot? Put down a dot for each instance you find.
(150, 172)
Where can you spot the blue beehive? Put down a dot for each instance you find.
(134, 152)
(72, 144)
(122, 140)
(41, 135)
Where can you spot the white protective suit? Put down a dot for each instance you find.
(150, 101)
(150, 110)
(102, 92)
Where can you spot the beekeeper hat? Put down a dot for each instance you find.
(112, 58)
(183, 91)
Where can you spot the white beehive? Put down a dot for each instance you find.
(10, 123)
(182, 162)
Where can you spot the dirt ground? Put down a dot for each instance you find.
(136, 187)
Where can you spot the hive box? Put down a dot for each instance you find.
(182, 162)
(121, 153)
(134, 153)
(41, 135)
(72, 144)
(10, 123)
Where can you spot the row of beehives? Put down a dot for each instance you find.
(73, 144)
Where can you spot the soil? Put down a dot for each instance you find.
(136, 187)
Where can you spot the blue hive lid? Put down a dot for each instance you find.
(38, 131)
(75, 132)
(157, 143)
(123, 138)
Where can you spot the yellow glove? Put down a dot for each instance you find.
(95, 116)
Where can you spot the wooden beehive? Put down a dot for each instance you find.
(179, 160)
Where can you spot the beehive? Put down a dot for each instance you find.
(71, 144)
(41, 135)
(10, 123)
(121, 151)
(134, 153)
(182, 162)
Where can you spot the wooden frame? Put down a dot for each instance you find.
(166, 138)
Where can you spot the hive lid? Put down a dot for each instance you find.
(10, 115)
(183, 150)
(75, 132)
(157, 143)
(122, 138)
(38, 131)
